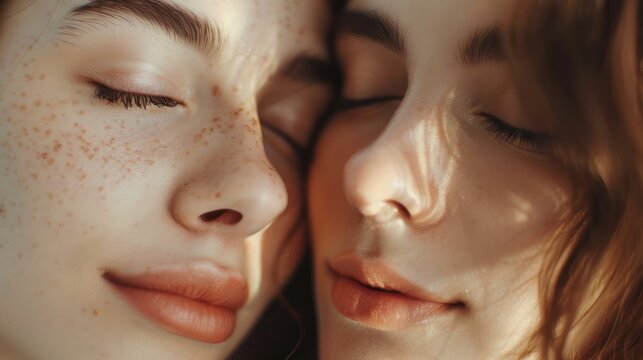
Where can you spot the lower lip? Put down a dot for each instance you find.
(181, 315)
(380, 309)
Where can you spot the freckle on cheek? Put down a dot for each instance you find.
(238, 112)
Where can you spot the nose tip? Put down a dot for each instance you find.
(261, 206)
(373, 185)
(235, 204)
(384, 185)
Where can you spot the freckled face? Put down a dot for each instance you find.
(446, 186)
(124, 148)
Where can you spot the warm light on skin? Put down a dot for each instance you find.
(430, 192)
(87, 186)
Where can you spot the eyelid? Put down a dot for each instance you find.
(129, 99)
(521, 138)
(346, 104)
(136, 77)
(292, 143)
(133, 86)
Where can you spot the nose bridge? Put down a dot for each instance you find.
(235, 190)
(404, 172)
(429, 165)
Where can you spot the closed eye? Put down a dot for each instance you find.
(521, 138)
(129, 99)
(349, 104)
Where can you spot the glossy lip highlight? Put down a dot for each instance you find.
(197, 300)
(371, 293)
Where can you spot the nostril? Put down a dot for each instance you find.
(401, 209)
(224, 216)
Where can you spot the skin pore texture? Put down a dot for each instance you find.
(144, 150)
(433, 249)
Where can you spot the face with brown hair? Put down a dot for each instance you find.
(450, 193)
(150, 191)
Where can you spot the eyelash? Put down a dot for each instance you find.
(128, 99)
(292, 143)
(350, 104)
(504, 132)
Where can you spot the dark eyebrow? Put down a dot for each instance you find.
(311, 69)
(177, 21)
(372, 25)
(484, 44)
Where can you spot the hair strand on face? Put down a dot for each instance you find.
(578, 64)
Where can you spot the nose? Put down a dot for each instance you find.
(233, 195)
(392, 179)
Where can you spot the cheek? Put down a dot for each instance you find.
(326, 178)
(505, 206)
(289, 168)
(344, 136)
(503, 198)
(39, 152)
(529, 197)
(60, 161)
(331, 215)
(51, 146)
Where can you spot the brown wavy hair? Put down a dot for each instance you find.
(577, 64)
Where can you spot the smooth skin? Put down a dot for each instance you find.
(433, 187)
(208, 171)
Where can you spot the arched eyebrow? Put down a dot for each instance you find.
(483, 45)
(372, 25)
(176, 21)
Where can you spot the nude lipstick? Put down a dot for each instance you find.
(369, 292)
(197, 300)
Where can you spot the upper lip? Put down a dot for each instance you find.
(201, 281)
(376, 274)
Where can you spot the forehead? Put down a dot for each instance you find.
(280, 27)
(275, 23)
(437, 24)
